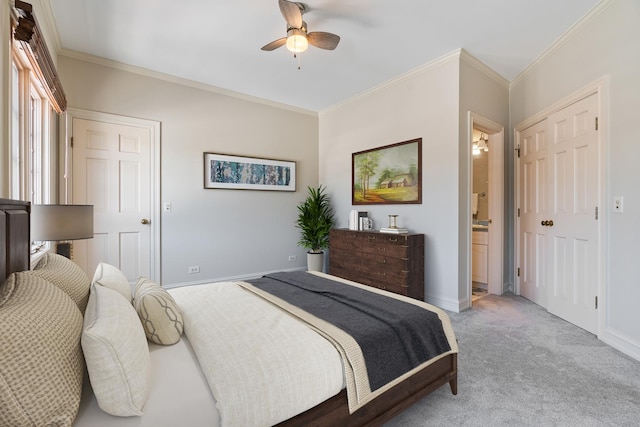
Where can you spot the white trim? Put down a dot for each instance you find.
(179, 80)
(67, 176)
(455, 55)
(483, 68)
(563, 39)
(600, 88)
(496, 232)
(240, 278)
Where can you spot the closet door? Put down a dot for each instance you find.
(572, 236)
(534, 210)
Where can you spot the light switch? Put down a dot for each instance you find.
(167, 207)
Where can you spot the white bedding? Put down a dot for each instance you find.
(262, 375)
(179, 396)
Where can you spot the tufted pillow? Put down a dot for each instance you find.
(116, 352)
(158, 312)
(41, 364)
(66, 275)
(111, 277)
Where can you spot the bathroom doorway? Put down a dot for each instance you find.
(486, 224)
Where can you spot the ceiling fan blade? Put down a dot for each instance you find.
(275, 44)
(291, 12)
(323, 40)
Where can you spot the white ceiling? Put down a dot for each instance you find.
(218, 42)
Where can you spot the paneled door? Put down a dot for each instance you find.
(572, 243)
(112, 172)
(559, 197)
(533, 234)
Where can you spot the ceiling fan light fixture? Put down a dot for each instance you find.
(297, 40)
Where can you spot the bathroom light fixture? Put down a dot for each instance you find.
(476, 150)
(482, 143)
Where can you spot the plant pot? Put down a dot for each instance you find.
(315, 261)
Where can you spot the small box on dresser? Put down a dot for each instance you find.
(394, 262)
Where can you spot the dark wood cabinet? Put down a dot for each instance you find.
(394, 262)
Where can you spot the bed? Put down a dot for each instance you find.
(180, 389)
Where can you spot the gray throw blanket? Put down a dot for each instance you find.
(394, 336)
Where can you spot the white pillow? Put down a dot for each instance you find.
(111, 277)
(116, 352)
(158, 312)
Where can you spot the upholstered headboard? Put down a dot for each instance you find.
(15, 243)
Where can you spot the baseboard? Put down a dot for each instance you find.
(447, 304)
(230, 278)
(622, 343)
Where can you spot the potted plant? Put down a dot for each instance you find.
(315, 219)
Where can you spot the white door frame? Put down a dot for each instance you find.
(496, 200)
(66, 179)
(600, 88)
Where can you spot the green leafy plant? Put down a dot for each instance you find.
(315, 219)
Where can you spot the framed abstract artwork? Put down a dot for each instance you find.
(224, 171)
(387, 175)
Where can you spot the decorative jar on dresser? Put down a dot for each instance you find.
(394, 262)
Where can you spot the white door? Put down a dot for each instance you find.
(533, 211)
(112, 172)
(495, 253)
(572, 242)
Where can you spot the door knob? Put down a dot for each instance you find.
(145, 221)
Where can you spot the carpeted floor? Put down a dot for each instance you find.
(521, 366)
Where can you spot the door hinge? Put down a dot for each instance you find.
(596, 302)
(518, 271)
(596, 213)
(71, 143)
(596, 123)
(518, 212)
(518, 151)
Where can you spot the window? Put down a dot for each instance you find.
(31, 140)
(36, 97)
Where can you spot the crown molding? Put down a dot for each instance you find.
(180, 81)
(483, 68)
(564, 38)
(451, 56)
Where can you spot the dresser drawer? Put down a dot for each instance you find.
(385, 261)
(380, 261)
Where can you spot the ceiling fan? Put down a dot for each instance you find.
(297, 39)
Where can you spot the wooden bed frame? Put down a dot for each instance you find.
(15, 254)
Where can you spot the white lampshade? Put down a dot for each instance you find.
(61, 222)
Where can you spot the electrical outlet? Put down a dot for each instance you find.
(292, 258)
(618, 204)
(193, 269)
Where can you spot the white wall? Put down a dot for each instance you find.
(607, 45)
(429, 104)
(228, 233)
(484, 93)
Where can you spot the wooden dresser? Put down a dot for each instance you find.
(394, 262)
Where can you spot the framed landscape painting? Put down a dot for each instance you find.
(391, 174)
(248, 173)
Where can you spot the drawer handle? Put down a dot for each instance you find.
(393, 239)
(371, 237)
(381, 273)
(382, 261)
(383, 249)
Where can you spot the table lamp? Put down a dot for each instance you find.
(61, 223)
